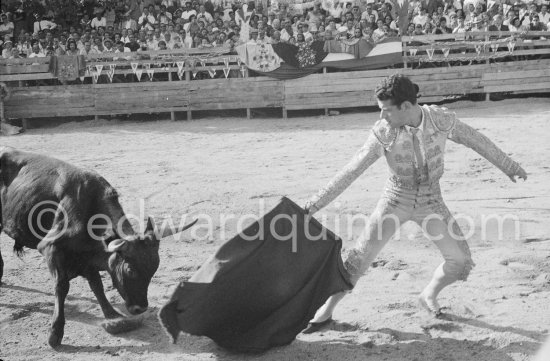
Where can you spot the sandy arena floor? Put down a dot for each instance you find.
(231, 166)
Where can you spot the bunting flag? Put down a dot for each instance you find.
(99, 68)
(111, 72)
(243, 70)
(239, 61)
(138, 74)
(226, 71)
(82, 78)
(511, 46)
(226, 61)
(413, 51)
(181, 72)
(88, 70)
(147, 65)
(430, 53)
(95, 77)
(212, 72)
(180, 65)
(194, 74)
(203, 62)
(446, 52)
(494, 47)
(134, 67)
(150, 72)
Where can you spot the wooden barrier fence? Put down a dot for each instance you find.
(485, 69)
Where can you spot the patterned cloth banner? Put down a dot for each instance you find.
(259, 57)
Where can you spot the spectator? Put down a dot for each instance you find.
(108, 46)
(544, 15)
(98, 21)
(6, 28)
(132, 43)
(422, 18)
(146, 20)
(8, 51)
(164, 17)
(129, 24)
(36, 52)
(497, 24)
(72, 48)
(41, 24)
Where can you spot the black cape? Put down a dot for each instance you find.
(259, 291)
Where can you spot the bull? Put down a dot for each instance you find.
(49, 205)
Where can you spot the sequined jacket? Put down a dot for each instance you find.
(396, 145)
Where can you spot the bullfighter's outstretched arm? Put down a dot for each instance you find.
(364, 158)
(464, 134)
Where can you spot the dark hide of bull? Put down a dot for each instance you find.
(258, 292)
(70, 197)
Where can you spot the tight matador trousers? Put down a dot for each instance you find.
(424, 205)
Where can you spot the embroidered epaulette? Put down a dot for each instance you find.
(385, 134)
(442, 118)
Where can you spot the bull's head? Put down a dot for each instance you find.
(133, 263)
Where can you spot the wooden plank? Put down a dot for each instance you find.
(514, 81)
(25, 77)
(24, 69)
(504, 75)
(22, 61)
(517, 87)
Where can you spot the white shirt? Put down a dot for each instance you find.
(42, 25)
(97, 23)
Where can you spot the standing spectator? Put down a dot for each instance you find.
(40, 24)
(204, 14)
(188, 11)
(422, 18)
(544, 15)
(98, 20)
(129, 23)
(146, 20)
(6, 28)
(163, 16)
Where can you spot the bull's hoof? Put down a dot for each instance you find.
(55, 340)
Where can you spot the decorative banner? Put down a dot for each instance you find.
(494, 47)
(95, 77)
(82, 78)
(445, 52)
(138, 73)
(150, 72)
(88, 70)
(243, 71)
(147, 65)
(194, 74)
(239, 61)
(485, 47)
(511, 46)
(99, 68)
(430, 53)
(226, 71)
(413, 51)
(478, 49)
(212, 72)
(203, 62)
(226, 62)
(180, 65)
(134, 66)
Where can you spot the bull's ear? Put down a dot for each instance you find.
(117, 245)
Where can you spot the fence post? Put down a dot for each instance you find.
(248, 112)
(188, 80)
(324, 72)
(24, 122)
(487, 95)
(172, 113)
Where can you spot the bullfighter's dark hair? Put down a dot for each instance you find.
(397, 88)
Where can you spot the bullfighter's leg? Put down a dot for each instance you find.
(445, 232)
(388, 216)
(94, 280)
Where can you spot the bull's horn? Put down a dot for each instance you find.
(169, 232)
(117, 245)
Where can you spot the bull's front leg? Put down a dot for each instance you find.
(58, 318)
(94, 280)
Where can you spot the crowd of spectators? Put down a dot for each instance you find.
(38, 28)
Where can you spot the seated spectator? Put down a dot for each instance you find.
(128, 23)
(108, 46)
(98, 45)
(204, 44)
(71, 47)
(161, 45)
(418, 30)
(132, 43)
(498, 24)
(544, 15)
(8, 51)
(536, 25)
(36, 52)
(203, 14)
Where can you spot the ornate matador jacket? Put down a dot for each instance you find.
(396, 144)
